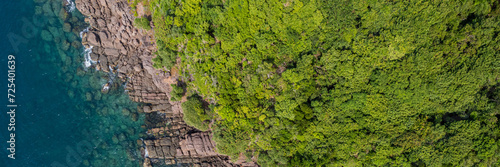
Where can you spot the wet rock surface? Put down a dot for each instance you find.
(118, 45)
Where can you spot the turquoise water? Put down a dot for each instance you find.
(62, 118)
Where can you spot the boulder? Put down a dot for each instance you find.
(93, 39)
(103, 61)
(101, 23)
(125, 112)
(111, 52)
(105, 40)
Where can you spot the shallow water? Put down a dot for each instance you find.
(62, 118)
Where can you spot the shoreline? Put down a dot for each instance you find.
(116, 43)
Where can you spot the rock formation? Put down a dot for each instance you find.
(119, 46)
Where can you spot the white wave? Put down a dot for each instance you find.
(70, 6)
(105, 86)
(84, 31)
(88, 60)
(146, 153)
(110, 69)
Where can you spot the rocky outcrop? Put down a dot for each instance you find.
(119, 47)
(194, 148)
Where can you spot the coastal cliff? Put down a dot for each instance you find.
(119, 47)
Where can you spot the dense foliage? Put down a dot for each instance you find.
(340, 82)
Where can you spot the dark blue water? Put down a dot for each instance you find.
(62, 117)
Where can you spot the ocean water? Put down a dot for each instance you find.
(62, 118)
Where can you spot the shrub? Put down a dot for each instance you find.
(195, 114)
(142, 23)
(177, 92)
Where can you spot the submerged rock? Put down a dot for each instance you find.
(52, 21)
(76, 44)
(67, 27)
(46, 36)
(47, 10)
(88, 96)
(56, 6)
(97, 95)
(105, 111)
(86, 163)
(68, 61)
(74, 19)
(94, 82)
(57, 40)
(38, 10)
(68, 77)
(55, 31)
(134, 117)
(70, 36)
(74, 84)
(130, 131)
(122, 137)
(115, 139)
(80, 71)
(65, 45)
(71, 94)
(63, 15)
(125, 112)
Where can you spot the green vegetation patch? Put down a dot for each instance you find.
(339, 82)
(142, 23)
(177, 92)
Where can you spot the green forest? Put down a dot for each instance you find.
(338, 82)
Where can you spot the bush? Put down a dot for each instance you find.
(177, 92)
(195, 114)
(142, 23)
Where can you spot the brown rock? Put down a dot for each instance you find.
(105, 40)
(111, 52)
(101, 23)
(93, 39)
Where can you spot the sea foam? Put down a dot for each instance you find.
(70, 6)
(84, 31)
(88, 61)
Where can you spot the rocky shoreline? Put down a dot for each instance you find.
(117, 45)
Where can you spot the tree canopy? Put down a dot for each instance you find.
(341, 82)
